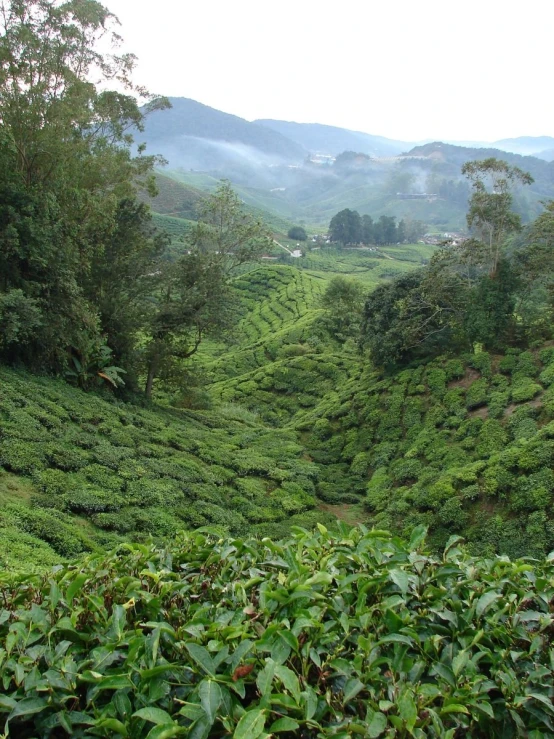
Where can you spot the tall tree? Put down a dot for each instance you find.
(343, 301)
(346, 227)
(490, 214)
(367, 230)
(66, 165)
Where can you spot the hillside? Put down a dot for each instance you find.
(451, 158)
(174, 198)
(82, 473)
(526, 145)
(195, 136)
(315, 137)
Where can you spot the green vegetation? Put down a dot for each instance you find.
(324, 635)
(87, 472)
(348, 227)
(395, 385)
(462, 446)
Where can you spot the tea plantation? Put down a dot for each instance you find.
(463, 446)
(80, 473)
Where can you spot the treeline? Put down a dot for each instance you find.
(493, 291)
(348, 227)
(86, 288)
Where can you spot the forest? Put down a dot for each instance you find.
(245, 493)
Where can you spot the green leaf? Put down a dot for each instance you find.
(289, 680)
(210, 698)
(166, 731)
(284, 724)
(27, 707)
(264, 679)
(399, 638)
(251, 725)
(154, 715)
(400, 578)
(75, 587)
(459, 662)
(112, 725)
(407, 709)
(319, 578)
(310, 697)
(202, 657)
(377, 725)
(351, 689)
(418, 537)
(485, 601)
(451, 543)
(454, 708)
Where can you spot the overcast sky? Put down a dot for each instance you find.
(405, 69)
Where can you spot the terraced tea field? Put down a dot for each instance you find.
(79, 473)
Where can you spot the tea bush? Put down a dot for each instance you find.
(353, 633)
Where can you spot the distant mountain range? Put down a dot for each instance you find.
(273, 168)
(315, 137)
(194, 136)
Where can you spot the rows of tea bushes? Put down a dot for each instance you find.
(351, 634)
(464, 446)
(279, 305)
(282, 389)
(80, 472)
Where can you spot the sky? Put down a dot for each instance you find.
(406, 69)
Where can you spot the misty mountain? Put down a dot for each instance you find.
(449, 159)
(191, 135)
(316, 137)
(526, 145)
(547, 155)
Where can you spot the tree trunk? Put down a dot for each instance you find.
(150, 380)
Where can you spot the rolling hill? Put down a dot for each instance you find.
(194, 136)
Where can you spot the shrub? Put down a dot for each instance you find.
(477, 393)
(525, 389)
(547, 375)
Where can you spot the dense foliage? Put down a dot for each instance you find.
(348, 227)
(85, 286)
(487, 290)
(463, 447)
(325, 635)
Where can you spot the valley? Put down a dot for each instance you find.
(276, 398)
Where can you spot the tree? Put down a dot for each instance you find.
(367, 230)
(490, 216)
(401, 232)
(65, 169)
(297, 233)
(346, 227)
(418, 315)
(194, 298)
(343, 301)
(533, 258)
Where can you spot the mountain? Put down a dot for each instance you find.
(316, 137)
(526, 145)
(194, 136)
(449, 159)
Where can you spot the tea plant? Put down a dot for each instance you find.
(324, 635)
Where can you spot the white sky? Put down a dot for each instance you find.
(406, 69)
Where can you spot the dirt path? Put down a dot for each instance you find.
(349, 513)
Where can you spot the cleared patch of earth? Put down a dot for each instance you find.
(349, 513)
